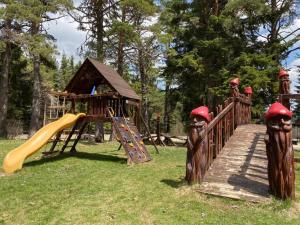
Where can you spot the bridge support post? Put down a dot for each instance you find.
(234, 84)
(284, 87)
(197, 146)
(281, 171)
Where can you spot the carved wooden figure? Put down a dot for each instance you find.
(284, 86)
(248, 92)
(197, 148)
(281, 172)
(234, 85)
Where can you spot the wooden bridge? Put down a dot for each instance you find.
(240, 170)
(231, 157)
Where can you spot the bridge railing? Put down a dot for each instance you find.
(206, 141)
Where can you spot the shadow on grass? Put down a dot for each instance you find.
(80, 155)
(174, 183)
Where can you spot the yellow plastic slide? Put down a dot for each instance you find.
(14, 159)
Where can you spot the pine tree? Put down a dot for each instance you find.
(297, 106)
(7, 37)
(217, 40)
(39, 46)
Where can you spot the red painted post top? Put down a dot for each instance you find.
(282, 73)
(201, 111)
(248, 90)
(235, 81)
(277, 109)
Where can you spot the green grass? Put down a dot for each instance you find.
(97, 187)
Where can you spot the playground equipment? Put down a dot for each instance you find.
(130, 138)
(208, 140)
(100, 94)
(14, 159)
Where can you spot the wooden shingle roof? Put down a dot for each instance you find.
(93, 73)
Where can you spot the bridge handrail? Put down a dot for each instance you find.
(235, 111)
(217, 119)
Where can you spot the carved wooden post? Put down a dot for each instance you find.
(248, 92)
(281, 172)
(284, 86)
(234, 84)
(158, 137)
(197, 145)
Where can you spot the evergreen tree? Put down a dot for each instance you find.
(297, 106)
(39, 46)
(214, 41)
(7, 38)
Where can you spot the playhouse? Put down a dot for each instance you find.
(96, 93)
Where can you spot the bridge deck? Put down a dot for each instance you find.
(240, 171)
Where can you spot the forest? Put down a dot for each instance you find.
(176, 54)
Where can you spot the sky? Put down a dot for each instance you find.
(68, 37)
(69, 40)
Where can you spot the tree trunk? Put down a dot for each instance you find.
(99, 129)
(36, 94)
(121, 44)
(143, 85)
(273, 37)
(99, 30)
(4, 88)
(166, 106)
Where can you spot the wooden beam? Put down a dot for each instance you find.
(73, 149)
(134, 103)
(289, 96)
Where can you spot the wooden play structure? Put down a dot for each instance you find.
(96, 93)
(104, 96)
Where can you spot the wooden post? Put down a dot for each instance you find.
(73, 106)
(57, 139)
(158, 140)
(280, 154)
(235, 93)
(69, 137)
(138, 117)
(284, 87)
(197, 148)
(73, 148)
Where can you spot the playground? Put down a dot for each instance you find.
(230, 171)
(150, 112)
(95, 186)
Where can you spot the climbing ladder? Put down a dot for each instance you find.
(130, 138)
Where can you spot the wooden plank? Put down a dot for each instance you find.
(289, 96)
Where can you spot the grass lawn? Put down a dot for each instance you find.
(97, 187)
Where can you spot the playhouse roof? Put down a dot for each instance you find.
(92, 73)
